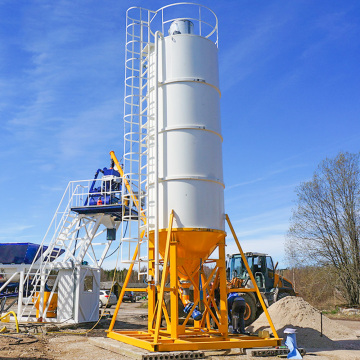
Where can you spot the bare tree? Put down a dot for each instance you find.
(325, 228)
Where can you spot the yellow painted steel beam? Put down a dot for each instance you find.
(152, 316)
(211, 298)
(215, 316)
(174, 284)
(206, 284)
(182, 326)
(127, 278)
(137, 289)
(196, 290)
(151, 288)
(163, 277)
(205, 302)
(128, 187)
(125, 338)
(216, 345)
(223, 328)
(166, 315)
(252, 277)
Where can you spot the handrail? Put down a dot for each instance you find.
(162, 12)
(200, 21)
(128, 187)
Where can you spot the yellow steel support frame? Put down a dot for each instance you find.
(177, 335)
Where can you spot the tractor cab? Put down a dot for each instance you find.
(261, 266)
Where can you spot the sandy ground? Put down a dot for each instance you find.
(69, 344)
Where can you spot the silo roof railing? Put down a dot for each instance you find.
(201, 15)
(204, 19)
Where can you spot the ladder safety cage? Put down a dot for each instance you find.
(136, 117)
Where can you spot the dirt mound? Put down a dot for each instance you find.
(294, 312)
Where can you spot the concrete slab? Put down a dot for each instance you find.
(226, 352)
(136, 353)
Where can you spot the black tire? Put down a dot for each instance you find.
(282, 295)
(100, 304)
(250, 311)
(109, 306)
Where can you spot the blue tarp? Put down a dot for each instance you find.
(20, 253)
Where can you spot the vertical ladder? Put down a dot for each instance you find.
(135, 229)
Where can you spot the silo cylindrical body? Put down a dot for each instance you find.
(189, 145)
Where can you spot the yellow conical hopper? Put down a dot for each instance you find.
(194, 246)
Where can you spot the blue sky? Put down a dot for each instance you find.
(290, 82)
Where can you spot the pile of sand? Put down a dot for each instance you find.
(295, 312)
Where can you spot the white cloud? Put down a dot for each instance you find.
(266, 176)
(13, 229)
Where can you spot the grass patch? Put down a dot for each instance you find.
(331, 312)
(143, 305)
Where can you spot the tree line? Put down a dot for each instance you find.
(325, 225)
(120, 275)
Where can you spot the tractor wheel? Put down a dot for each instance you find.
(250, 311)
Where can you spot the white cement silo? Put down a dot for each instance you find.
(187, 108)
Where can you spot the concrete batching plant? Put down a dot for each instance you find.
(167, 199)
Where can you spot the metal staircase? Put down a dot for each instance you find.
(73, 239)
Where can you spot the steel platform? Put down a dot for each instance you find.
(115, 210)
(192, 340)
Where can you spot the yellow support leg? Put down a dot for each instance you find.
(163, 279)
(151, 290)
(174, 304)
(123, 290)
(252, 277)
(223, 328)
